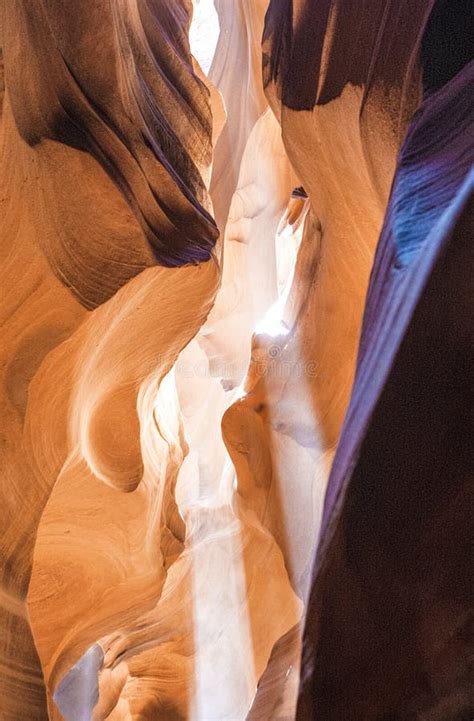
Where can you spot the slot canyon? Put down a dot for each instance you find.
(237, 351)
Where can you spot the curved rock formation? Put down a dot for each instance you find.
(185, 416)
(128, 535)
(89, 79)
(396, 527)
(96, 187)
(368, 652)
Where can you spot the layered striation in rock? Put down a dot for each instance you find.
(99, 183)
(89, 78)
(127, 536)
(386, 625)
(235, 469)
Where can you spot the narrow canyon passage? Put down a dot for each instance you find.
(236, 273)
(217, 617)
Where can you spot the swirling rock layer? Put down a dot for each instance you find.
(99, 182)
(89, 79)
(237, 488)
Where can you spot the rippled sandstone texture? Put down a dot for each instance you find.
(105, 186)
(171, 423)
(101, 188)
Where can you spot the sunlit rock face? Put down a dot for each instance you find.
(132, 584)
(236, 71)
(342, 145)
(186, 250)
(102, 186)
